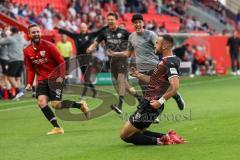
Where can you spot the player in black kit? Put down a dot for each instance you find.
(82, 41)
(116, 39)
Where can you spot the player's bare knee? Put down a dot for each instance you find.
(55, 104)
(123, 136)
(41, 103)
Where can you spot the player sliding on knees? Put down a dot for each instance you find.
(43, 58)
(164, 82)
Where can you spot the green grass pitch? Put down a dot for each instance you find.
(210, 124)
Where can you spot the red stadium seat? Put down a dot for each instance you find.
(152, 9)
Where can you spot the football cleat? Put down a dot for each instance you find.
(175, 138)
(56, 130)
(165, 140)
(180, 102)
(18, 96)
(84, 108)
(156, 120)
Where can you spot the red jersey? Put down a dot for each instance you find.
(44, 60)
(200, 57)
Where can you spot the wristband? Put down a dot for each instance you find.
(162, 100)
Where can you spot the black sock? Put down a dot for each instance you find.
(153, 134)
(94, 91)
(120, 102)
(33, 91)
(17, 90)
(70, 104)
(91, 86)
(50, 116)
(141, 139)
(10, 94)
(84, 90)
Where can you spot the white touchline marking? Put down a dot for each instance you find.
(18, 102)
(18, 108)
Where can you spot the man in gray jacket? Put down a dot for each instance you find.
(15, 44)
(141, 43)
(4, 62)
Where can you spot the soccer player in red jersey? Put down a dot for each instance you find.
(162, 85)
(43, 58)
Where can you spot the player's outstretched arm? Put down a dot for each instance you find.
(135, 73)
(68, 33)
(96, 33)
(118, 54)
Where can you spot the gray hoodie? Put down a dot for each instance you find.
(15, 44)
(4, 52)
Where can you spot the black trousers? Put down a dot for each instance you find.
(66, 59)
(235, 61)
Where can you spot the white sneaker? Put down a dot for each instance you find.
(234, 73)
(192, 76)
(19, 95)
(198, 73)
(238, 72)
(209, 72)
(214, 72)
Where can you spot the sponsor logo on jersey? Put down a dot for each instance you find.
(173, 71)
(137, 116)
(42, 53)
(108, 36)
(58, 92)
(40, 61)
(119, 35)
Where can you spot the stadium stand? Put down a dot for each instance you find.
(167, 16)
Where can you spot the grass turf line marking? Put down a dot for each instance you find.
(18, 108)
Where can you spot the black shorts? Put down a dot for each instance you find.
(4, 65)
(144, 116)
(15, 68)
(51, 89)
(119, 66)
(85, 62)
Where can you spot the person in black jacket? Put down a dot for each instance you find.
(82, 41)
(232, 47)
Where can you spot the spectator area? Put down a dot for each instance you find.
(172, 23)
(38, 6)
